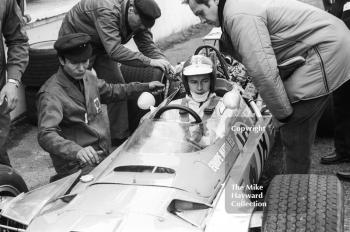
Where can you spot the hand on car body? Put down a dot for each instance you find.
(89, 155)
(163, 64)
(156, 87)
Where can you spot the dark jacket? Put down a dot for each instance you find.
(266, 32)
(16, 40)
(105, 21)
(68, 121)
(336, 8)
(341, 9)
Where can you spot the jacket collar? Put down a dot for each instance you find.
(221, 11)
(124, 28)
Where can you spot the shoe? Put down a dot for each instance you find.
(334, 158)
(344, 175)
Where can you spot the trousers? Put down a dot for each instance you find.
(298, 134)
(341, 98)
(4, 132)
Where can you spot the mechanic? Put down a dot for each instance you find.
(73, 125)
(341, 9)
(112, 23)
(198, 78)
(263, 34)
(16, 40)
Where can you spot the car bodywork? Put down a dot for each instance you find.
(159, 180)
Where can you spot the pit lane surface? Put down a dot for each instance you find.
(35, 165)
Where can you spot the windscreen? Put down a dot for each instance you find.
(161, 136)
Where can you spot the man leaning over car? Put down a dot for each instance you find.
(73, 125)
(265, 33)
(111, 24)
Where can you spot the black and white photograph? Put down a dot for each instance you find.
(174, 115)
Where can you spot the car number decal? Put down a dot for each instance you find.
(218, 158)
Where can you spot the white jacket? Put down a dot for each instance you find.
(263, 33)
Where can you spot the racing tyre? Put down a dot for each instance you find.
(139, 74)
(43, 63)
(31, 112)
(304, 203)
(11, 183)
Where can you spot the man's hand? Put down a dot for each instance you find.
(10, 92)
(156, 87)
(89, 155)
(162, 64)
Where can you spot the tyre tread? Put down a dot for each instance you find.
(304, 203)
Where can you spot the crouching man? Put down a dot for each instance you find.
(73, 126)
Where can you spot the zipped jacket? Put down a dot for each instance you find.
(264, 33)
(106, 22)
(69, 121)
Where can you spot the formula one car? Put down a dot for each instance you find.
(162, 179)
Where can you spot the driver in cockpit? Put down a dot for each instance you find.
(199, 77)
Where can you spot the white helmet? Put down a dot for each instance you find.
(197, 65)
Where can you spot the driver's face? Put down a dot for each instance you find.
(199, 84)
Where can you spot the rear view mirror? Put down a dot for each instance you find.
(232, 99)
(146, 101)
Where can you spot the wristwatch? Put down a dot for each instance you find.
(14, 81)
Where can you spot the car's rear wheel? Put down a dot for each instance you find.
(43, 63)
(304, 203)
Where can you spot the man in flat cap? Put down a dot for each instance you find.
(73, 126)
(112, 23)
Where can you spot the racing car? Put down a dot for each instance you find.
(161, 179)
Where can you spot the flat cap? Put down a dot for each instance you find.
(148, 10)
(76, 47)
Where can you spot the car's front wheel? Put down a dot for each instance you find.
(304, 203)
(11, 183)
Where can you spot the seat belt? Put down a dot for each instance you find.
(208, 111)
(185, 117)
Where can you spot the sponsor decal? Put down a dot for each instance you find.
(97, 105)
(218, 158)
